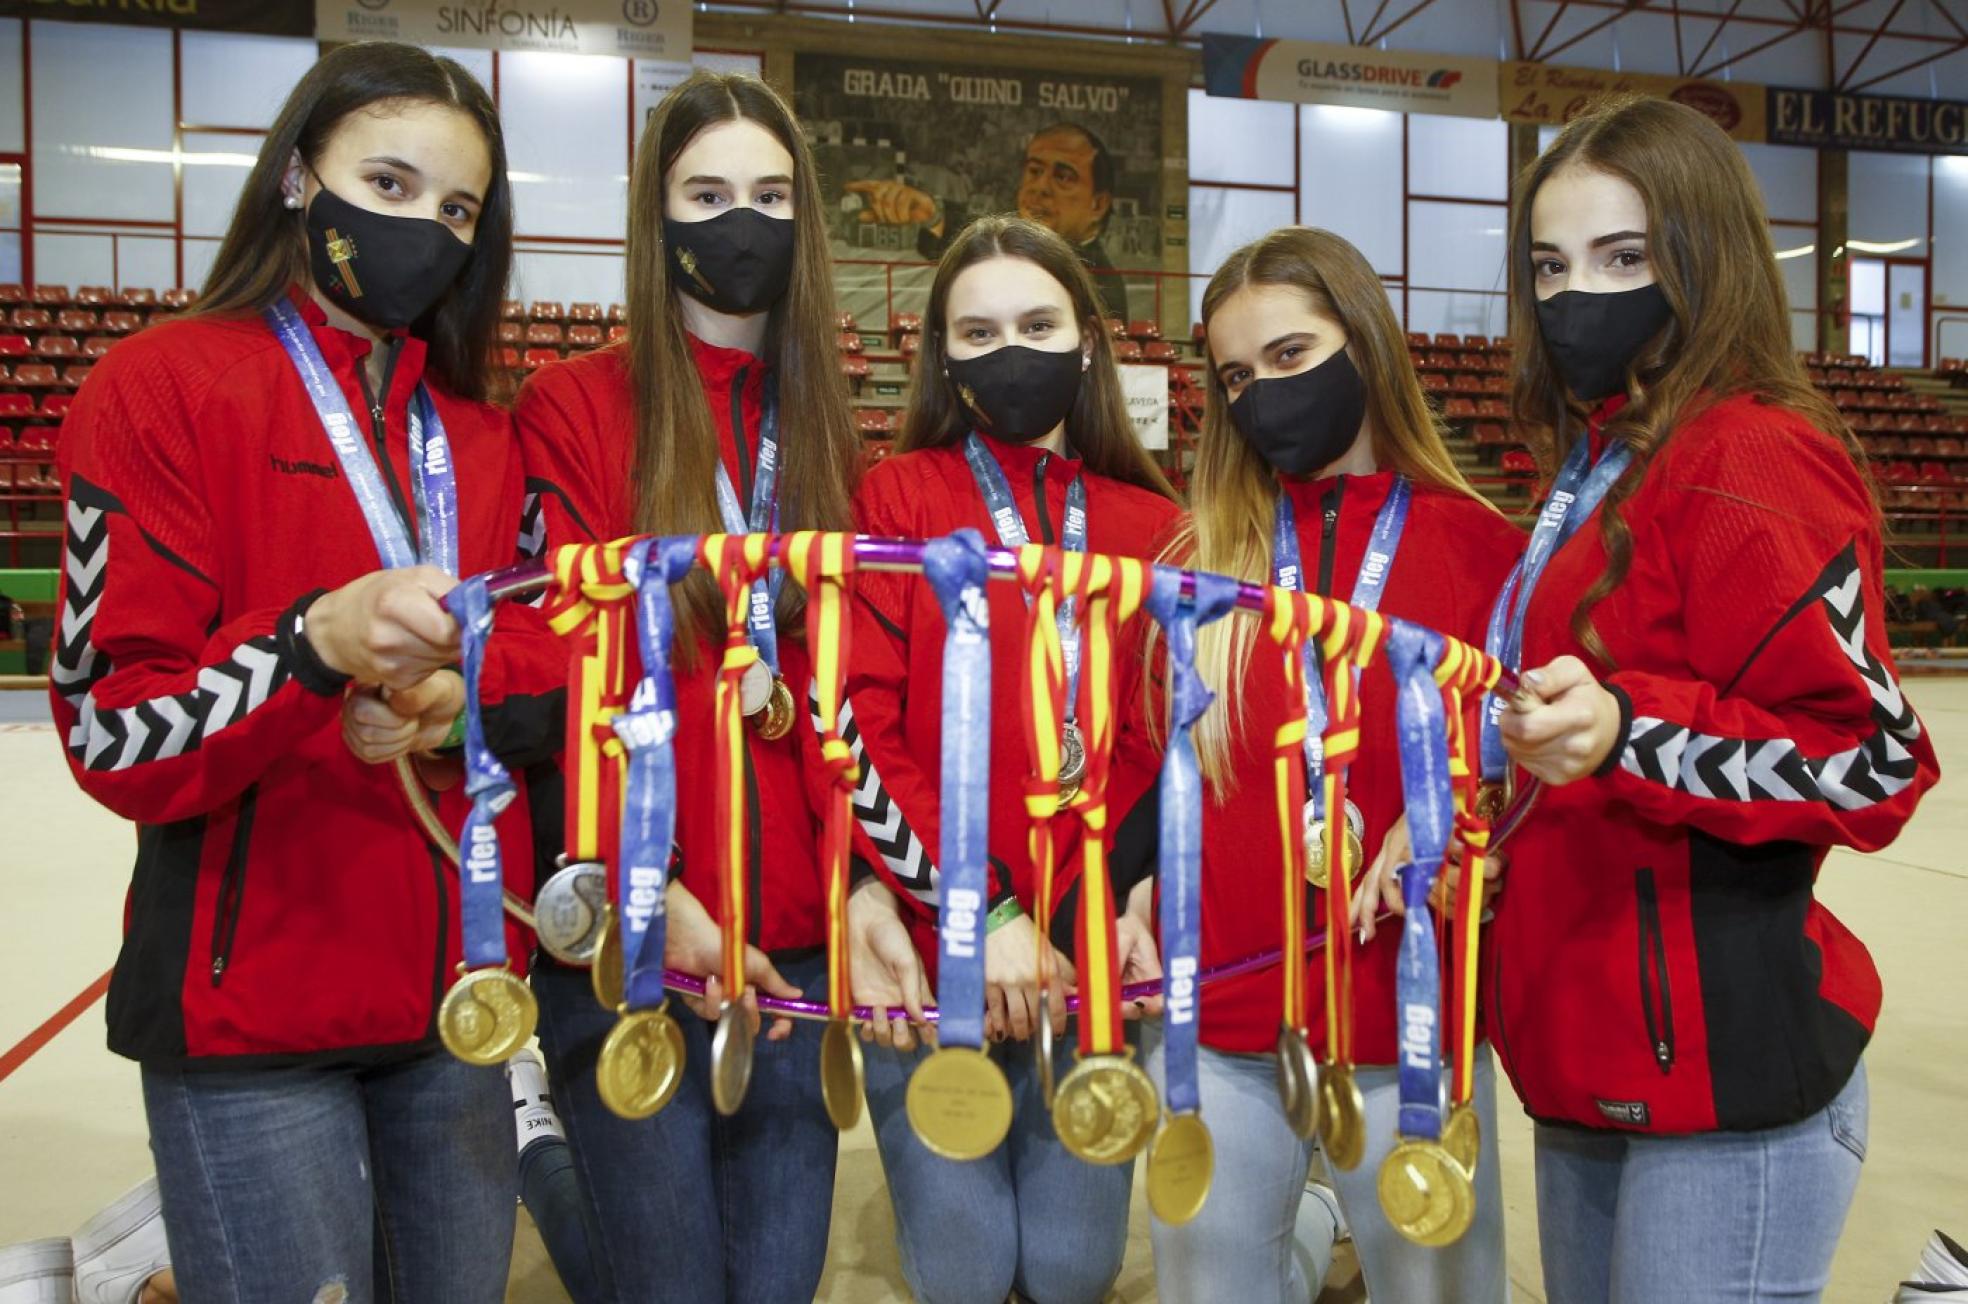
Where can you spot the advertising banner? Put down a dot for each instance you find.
(1145, 387)
(1549, 96)
(1253, 68)
(265, 17)
(637, 29)
(1896, 123)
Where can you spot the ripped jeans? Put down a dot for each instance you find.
(365, 1185)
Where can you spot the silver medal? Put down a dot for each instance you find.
(568, 912)
(754, 689)
(1072, 756)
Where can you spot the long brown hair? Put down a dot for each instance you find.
(265, 246)
(1098, 427)
(1709, 245)
(676, 446)
(1233, 497)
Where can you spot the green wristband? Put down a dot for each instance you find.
(456, 737)
(1001, 914)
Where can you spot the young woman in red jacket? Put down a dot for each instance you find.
(730, 324)
(1702, 621)
(1320, 466)
(265, 502)
(1015, 428)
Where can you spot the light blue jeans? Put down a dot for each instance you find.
(1028, 1215)
(1721, 1217)
(1261, 1238)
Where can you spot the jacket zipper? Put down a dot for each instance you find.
(1653, 972)
(1328, 533)
(738, 440)
(379, 434)
(232, 887)
(1039, 497)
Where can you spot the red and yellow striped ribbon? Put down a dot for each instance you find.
(1292, 618)
(1348, 642)
(821, 562)
(1464, 671)
(735, 560)
(1110, 590)
(588, 604)
(1041, 574)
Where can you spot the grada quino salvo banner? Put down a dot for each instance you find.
(1254, 69)
(640, 29)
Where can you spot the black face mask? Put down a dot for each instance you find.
(740, 261)
(1017, 393)
(1593, 337)
(384, 269)
(1303, 422)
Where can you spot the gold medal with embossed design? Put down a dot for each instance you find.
(1342, 1117)
(606, 973)
(641, 1063)
(487, 1015)
(1181, 1166)
(1426, 1193)
(959, 1104)
(1105, 1110)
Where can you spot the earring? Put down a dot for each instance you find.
(293, 201)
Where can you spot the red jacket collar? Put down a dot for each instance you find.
(1022, 458)
(718, 366)
(346, 351)
(1358, 493)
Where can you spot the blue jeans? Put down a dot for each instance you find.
(278, 1183)
(689, 1205)
(1741, 1217)
(550, 1189)
(1260, 1237)
(1028, 1215)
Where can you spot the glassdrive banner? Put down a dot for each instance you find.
(266, 17)
(639, 29)
(1252, 68)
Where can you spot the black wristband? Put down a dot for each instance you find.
(1618, 749)
(290, 637)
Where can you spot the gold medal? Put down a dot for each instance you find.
(487, 1015)
(641, 1063)
(1298, 1083)
(775, 721)
(1317, 872)
(1491, 801)
(840, 1073)
(959, 1103)
(1426, 1193)
(1105, 1110)
(606, 973)
(1072, 762)
(1462, 1137)
(1342, 1117)
(731, 1058)
(1181, 1163)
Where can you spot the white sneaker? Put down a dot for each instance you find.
(121, 1248)
(37, 1272)
(1326, 1195)
(533, 1109)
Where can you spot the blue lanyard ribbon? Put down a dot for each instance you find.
(1368, 587)
(1421, 720)
(763, 517)
(1011, 531)
(436, 485)
(1582, 484)
(481, 878)
(1181, 849)
(648, 734)
(957, 570)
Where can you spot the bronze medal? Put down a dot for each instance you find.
(1343, 1114)
(487, 1015)
(641, 1063)
(1462, 1137)
(568, 911)
(1105, 1110)
(776, 720)
(1298, 1083)
(1426, 1193)
(840, 1073)
(959, 1103)
(1072, 762)
(605, 974)
(731, 1058)
(1181, 1164)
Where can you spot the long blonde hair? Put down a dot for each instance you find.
(676, 446)
(1709, 246)
(1233, 498)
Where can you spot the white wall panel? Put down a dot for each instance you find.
(235, 80)
(1247, 141)
(567, 277)
(1350, 179)
(215, 170)
(72, 260)
(1466, 158)
(1456, 246)
(13, 136)
(567, 142)
(1789, 178)
(147, 261)
(1888, 204)
(1950, 286)
(1459, 314)
(102, 122)
(1222, 220)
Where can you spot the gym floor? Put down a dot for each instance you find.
(72, 1130)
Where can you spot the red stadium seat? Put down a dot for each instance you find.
(618, 314)
(75, 373)
(1458, 409)
(177, 300)
(1490, 434)
(97, 345)
(76, 321)
(584, 335)
(548, 310)
(121, 321)
(1143, 330)
(1161, 351)
(589, 313)
(51, 296)
(911, 345)
(1127, 351)
(542, 334)
(511, 332)
(1493, 408)
(537, 358)
(36, 375)
(16, 404)
(875, 422)
(905, 322)
(617, 332)
(140, 297)
(15, 346)
(31, 320)
(57, 346)
(1117, 328)
(844, 321)
(12, 295)
(94, 296)
(1519, 462)
(1446, 341)
(55, 403)
(1476, 343)
(512, 310)
(848, 342)
(1416, 340)
(509, 358)
(855, 367)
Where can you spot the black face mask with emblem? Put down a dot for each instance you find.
(384, 269)
(1018, 393)
(740, 261)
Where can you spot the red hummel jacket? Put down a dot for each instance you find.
(1453, 557)
(1660, 962)
(895, 684)
(577, 427)
(284, 905)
